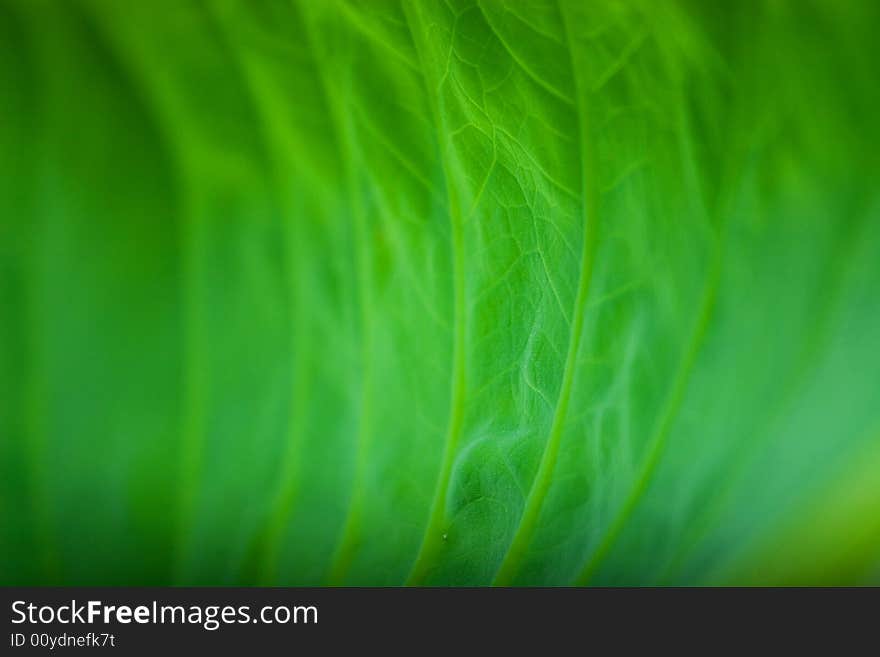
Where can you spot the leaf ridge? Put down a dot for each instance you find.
(432, 540)
(541, 484)
(344, 552)
(549, 88)
(267, 540)
(664, 426)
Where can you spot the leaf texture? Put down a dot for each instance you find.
(439, 292)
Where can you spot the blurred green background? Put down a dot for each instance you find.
(439, 292)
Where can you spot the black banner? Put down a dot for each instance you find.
(131, 621)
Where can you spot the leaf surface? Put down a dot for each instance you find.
(457, 293)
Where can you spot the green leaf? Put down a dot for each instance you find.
(423, 292)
